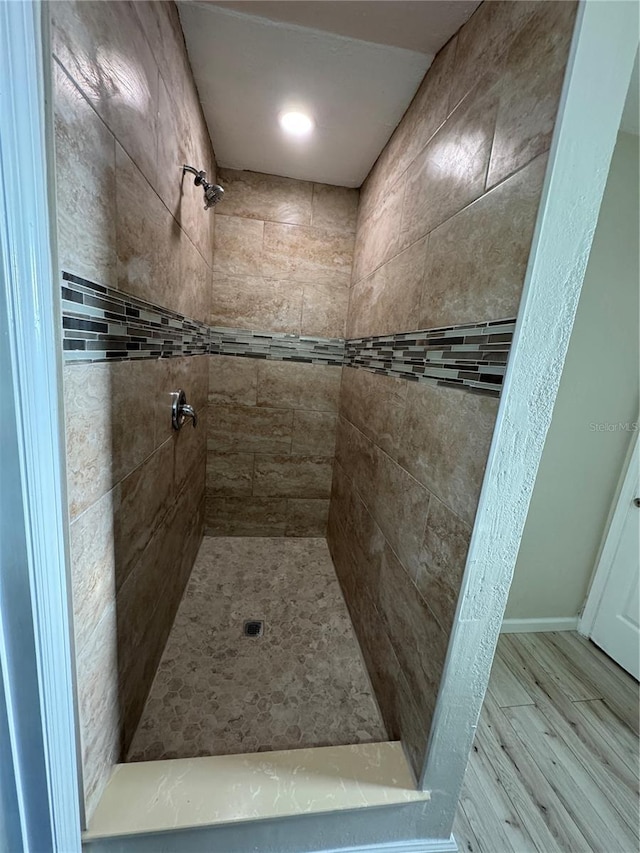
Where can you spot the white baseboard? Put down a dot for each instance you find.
(534, 626)
(446, 845)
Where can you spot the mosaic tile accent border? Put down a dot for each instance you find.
(277, 346)
(473, 357)
(102, 324)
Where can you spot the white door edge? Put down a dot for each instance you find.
(610, 539)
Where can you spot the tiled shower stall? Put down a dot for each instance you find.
(344, 351)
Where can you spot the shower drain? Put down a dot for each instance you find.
(253, 628)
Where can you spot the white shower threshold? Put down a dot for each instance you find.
(164, 796)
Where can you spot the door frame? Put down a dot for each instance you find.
(611, 538)
(40, 754)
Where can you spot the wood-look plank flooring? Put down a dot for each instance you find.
(554, 767)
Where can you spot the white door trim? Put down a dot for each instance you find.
(32, 386)
(611, 539)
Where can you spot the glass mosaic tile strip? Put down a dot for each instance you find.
(277, 346)
(102, 324)
(473, 357)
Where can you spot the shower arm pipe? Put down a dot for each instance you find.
(200, 176)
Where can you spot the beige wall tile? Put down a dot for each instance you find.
(324, 310)
(172, 552)
(229, 474)
(148, 600)
(476, 261)
(306, 517)
(296, 253)
(341, 487)
(253, 302)
(445, 443)
(190, 444)
(161, 25)
(238, 246)
(299, 285)
(233, 380)
(292, 476)
(375, 405)
(174, 188)
(98, 707)
(378, 236)
(246, 516)
(530, 88)
(133, 388)
(418, 458)
(104, 444)
(146, 496)
(450, 172)
(427, 111)
(85, 185)
(191, 294)
(291, 385)
(483, 40)
(118, 415)
(93, 565)
(104, 49)
(254, 195)
(414, 721)
(243, 428)
(190, 453)
(388, 300)
(182, 140)
(358, 457)
(314, 433)
(418, 641)
(139, 597)
(442, 560)
(88, 430)
(338, 543)
(399, 505)
(382, 662)
(334, 208)
(403, 716)
(148, 240)
(365, 540)
(198, 223)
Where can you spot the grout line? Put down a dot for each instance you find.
(395, 461)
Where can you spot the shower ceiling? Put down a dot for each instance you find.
(352, 66)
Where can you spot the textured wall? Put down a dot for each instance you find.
(444, 230)
(126, 118)
(585, 449)
(282, 263)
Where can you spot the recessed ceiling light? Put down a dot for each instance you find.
(297, 124)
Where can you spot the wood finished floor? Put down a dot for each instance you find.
(554, 765)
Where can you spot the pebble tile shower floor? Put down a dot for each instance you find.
(301, 684)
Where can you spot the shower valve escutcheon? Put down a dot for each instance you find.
(181, 410)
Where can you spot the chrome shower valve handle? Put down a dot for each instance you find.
(181, 410)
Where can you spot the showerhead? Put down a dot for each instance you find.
(212, 192)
